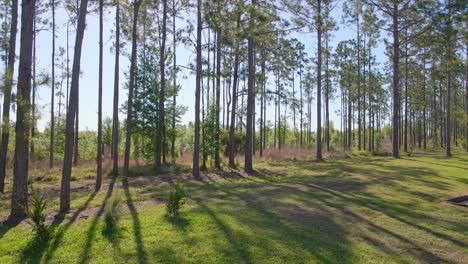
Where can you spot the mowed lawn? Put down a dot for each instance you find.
(354, 210)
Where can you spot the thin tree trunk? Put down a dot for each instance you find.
(319, 80)
(33, 105)
(359, 81)
(7, 93)
(396, 82)
(99, 135)
(133, 61)
(52, 95)
(196, 144)
(232, 129)
(160, 149)
(174, 80)
(115, 112)
(218, 95)
(71, 113)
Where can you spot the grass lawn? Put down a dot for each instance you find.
(354, 210)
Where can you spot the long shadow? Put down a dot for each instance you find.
(226, 230)
(92, 229)
(34, 250)
(385, 209)
(382, 207)
(436, 164)
(324, 239)
(352, 217)
(142, 258)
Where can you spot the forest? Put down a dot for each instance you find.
(233, 131)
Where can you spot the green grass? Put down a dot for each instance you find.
(356, 210)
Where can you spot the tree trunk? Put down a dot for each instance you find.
(174, 80)
(218, 94)
(250, 98)
(33, 105)
(396, 82)
(99, 135)
(115, 112)
(7, 93)
(196, 144)
(133, 62)
(162, 65)
(71, 113)
(232, 129)
(319, 80)
(52, 95)
(19, 197)
(359, 82)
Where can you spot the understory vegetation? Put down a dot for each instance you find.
(359, 209)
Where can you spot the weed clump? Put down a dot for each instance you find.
(36, 213)
(112, 214)
(176, 199)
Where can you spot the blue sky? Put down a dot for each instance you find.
(89, 67)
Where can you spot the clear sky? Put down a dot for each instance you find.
(89, 67)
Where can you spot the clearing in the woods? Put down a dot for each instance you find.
(348, 210)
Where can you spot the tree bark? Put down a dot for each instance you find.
(248, 166)
(128, 136)
(7, 93)
(71, 113)
(232, 129)
(319, 80)
(174, 80)
(218, 95)
(99, 135)
(115, 114)
(52, 95)
(196, 144)
(162, 66)
(19, 197)
(396, 82)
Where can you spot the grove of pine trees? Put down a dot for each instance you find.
(263, 76)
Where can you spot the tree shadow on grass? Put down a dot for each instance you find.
(377, 204)
(437, 164)
(35, 249)
(322, 237)
(92, 228)
(180, 222)
(142, 258)
(228, 233)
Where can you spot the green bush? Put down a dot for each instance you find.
(177, 197)
(36, 212)
(112, 214)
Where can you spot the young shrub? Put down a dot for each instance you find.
(36, 212)
(176, 199)
(112, 214)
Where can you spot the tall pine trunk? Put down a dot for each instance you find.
(174, 82)
(248, 166)
(52, 92)
(218, 95)
(115, 112)
(7, 93)
(72, 109)
(196, 143)
(396, 82)
(19, 197)
(232, 128)
(160, 149)
(319, 80)
(133, 58)
(99, 135)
